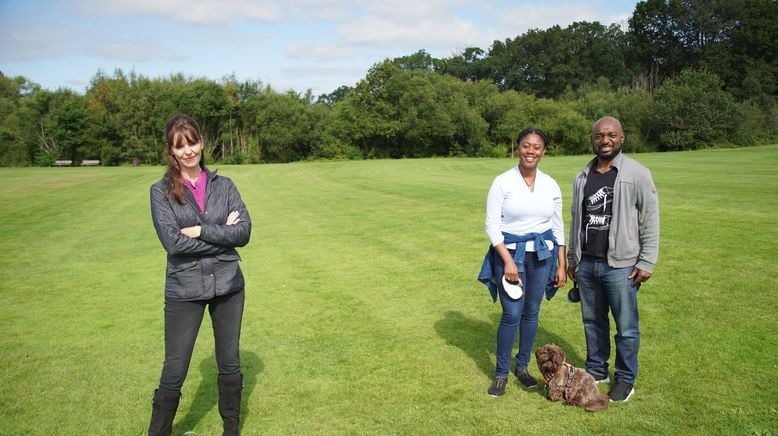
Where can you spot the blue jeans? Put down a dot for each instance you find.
(605, 288)
(182, 322)
(521, 313)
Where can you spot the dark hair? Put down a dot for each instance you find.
(180, 129)
(533, 131)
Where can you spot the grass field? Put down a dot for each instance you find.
(363, 314)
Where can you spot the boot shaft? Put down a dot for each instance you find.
(230, 390)
(163, 411)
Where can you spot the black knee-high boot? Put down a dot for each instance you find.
(230, 389)
(163, 410)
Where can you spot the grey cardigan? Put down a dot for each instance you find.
(633, 238)
(202, 268)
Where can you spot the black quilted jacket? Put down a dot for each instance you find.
(202, 268)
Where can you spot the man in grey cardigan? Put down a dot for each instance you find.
(614, 243)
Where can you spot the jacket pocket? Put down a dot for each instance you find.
(227, 273)
(183, 280)
(228, 257)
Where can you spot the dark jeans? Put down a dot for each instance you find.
(521, 314)
(606, 289)
(182, 322)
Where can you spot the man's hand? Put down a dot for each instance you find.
(639, 276)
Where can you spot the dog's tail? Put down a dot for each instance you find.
(597, 404)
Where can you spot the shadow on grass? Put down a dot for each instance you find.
(477, 339)
(473, 336)
(207, 394)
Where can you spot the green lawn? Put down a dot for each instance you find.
(363, 314)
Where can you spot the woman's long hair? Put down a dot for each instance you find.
(180, 129)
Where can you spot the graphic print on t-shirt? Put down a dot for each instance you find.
(598, 212)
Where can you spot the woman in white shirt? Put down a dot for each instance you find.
(524, 226)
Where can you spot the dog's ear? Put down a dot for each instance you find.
(558, 356)
(539, 353)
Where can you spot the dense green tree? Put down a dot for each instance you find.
(405, 112)
(507, 113)
(65, 127)
(633, 106)
(207, 102)
(421, 60)
(693, 111)
(656, 40)
(368, 114)
(103, 100)
(751, 67)
(731, 38)
(335, 96)
(546, 62)
(239, 133)
(470, 65)
(286, 126)
(12, 150)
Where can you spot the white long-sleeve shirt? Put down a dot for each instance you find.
(512, 208)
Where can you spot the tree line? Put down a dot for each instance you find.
(685, 74)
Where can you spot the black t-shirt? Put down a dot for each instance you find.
(597, 210)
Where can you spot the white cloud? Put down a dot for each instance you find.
(519, 19)
(409, 11)
(223, 11)
(322, 71)
(320, 80)
(190, 11)
(431, 33)
(317, 10)
(319, 52)
(135, 51)
(26, 39)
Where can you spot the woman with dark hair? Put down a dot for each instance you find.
(526, 257)
(200, 219)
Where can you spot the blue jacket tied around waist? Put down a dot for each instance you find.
(487, 275)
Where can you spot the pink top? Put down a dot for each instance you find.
(198, 189)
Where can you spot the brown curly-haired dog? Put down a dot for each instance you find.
(565, 382)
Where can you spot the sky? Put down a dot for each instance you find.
(287, 44)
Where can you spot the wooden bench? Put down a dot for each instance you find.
(63, 163)
(90, 163)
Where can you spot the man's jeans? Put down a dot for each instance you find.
(182, 322)
(521, 313)
(603, 288)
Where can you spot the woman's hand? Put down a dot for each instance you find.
(560, 277)
(233, 218)
(511, 272)
(193, 232)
